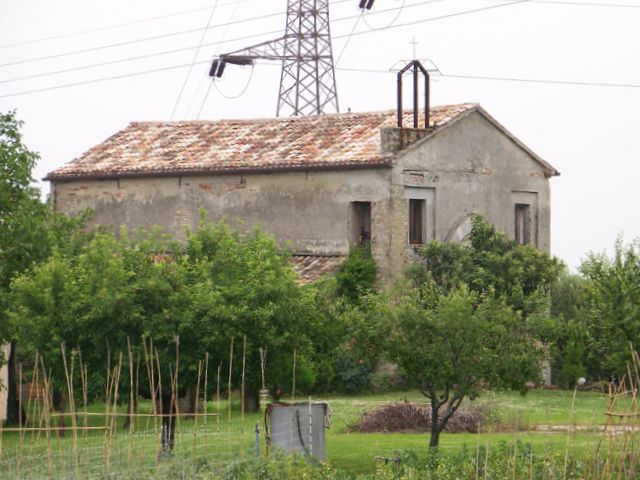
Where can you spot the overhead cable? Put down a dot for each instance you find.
(195, 57)
(113, 26)
(192, 30)
(206, 96)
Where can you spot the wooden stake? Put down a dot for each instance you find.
(229, 385)
(293, 386)
(244, 361)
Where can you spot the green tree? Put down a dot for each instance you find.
(613, 295)
(572, 357)
(357, 275)
(452, 346)
(192, 298)
(491, 262)
(29, 228)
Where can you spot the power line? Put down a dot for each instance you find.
(346, 43)
(344, 69)
(440, 17)
(391, 22)
(113, 26)
(584, 4)
(192, 30)
(131, 42)
(145, 72)
(206, 96)
(195, 57)
(544, 81)
(103, 79)
(180, 50)
(200, 9)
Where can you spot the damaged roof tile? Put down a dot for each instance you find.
(310, 268)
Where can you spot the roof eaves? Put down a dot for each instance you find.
(384, 162)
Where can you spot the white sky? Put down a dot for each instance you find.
(586, 132)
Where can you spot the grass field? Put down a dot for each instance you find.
(540, 418)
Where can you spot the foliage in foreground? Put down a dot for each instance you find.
(192, 298)
(516, 461)
(472, 317)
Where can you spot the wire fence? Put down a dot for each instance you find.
(102, 452)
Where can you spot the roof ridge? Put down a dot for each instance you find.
(467, 105)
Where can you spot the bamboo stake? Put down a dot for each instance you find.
(206, 378)
(46, 410)
(159, 378)
(218, 409)
(152, 388)
(84, 378)
(74, 426)
(130, 418)
(195, 423)
(242, 399)
(131, 393)
(175, 391)
(263, 355)
(229, 385)
(293, 387)
(20, 407)
(123, 415)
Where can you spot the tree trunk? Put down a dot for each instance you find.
(252, 400)
(187, 403)
(131, 409)
(168, 427)
(59, 404)
(435, 424)
(14, 412)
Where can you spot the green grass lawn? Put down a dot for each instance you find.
(510, 417)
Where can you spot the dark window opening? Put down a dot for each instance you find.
(361, 224)
(523, 224)
(417, 210)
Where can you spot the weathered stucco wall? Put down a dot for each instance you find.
(470, 167)
(309, 212)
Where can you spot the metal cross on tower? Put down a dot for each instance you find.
(307, 81)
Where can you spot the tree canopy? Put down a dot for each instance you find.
(613, 299)
(194, 297)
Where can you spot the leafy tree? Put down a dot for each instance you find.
(357, 275)
(613, 295)
(29, 228)
(521, 274)
(572, 355)
(452, 346)
(192, 297)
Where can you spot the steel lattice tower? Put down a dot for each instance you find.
(307, 81)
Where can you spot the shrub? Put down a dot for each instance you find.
(402, 417)
(357, 275)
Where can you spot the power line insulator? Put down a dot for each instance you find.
(368, 4)
(217, 68)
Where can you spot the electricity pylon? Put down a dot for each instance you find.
(307, 80)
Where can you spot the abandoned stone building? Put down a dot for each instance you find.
(321, 185)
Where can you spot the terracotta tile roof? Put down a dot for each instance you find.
(347, 140)
(310, 268)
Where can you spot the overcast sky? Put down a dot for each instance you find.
(589, 133)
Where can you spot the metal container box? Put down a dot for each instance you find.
(298, 427)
